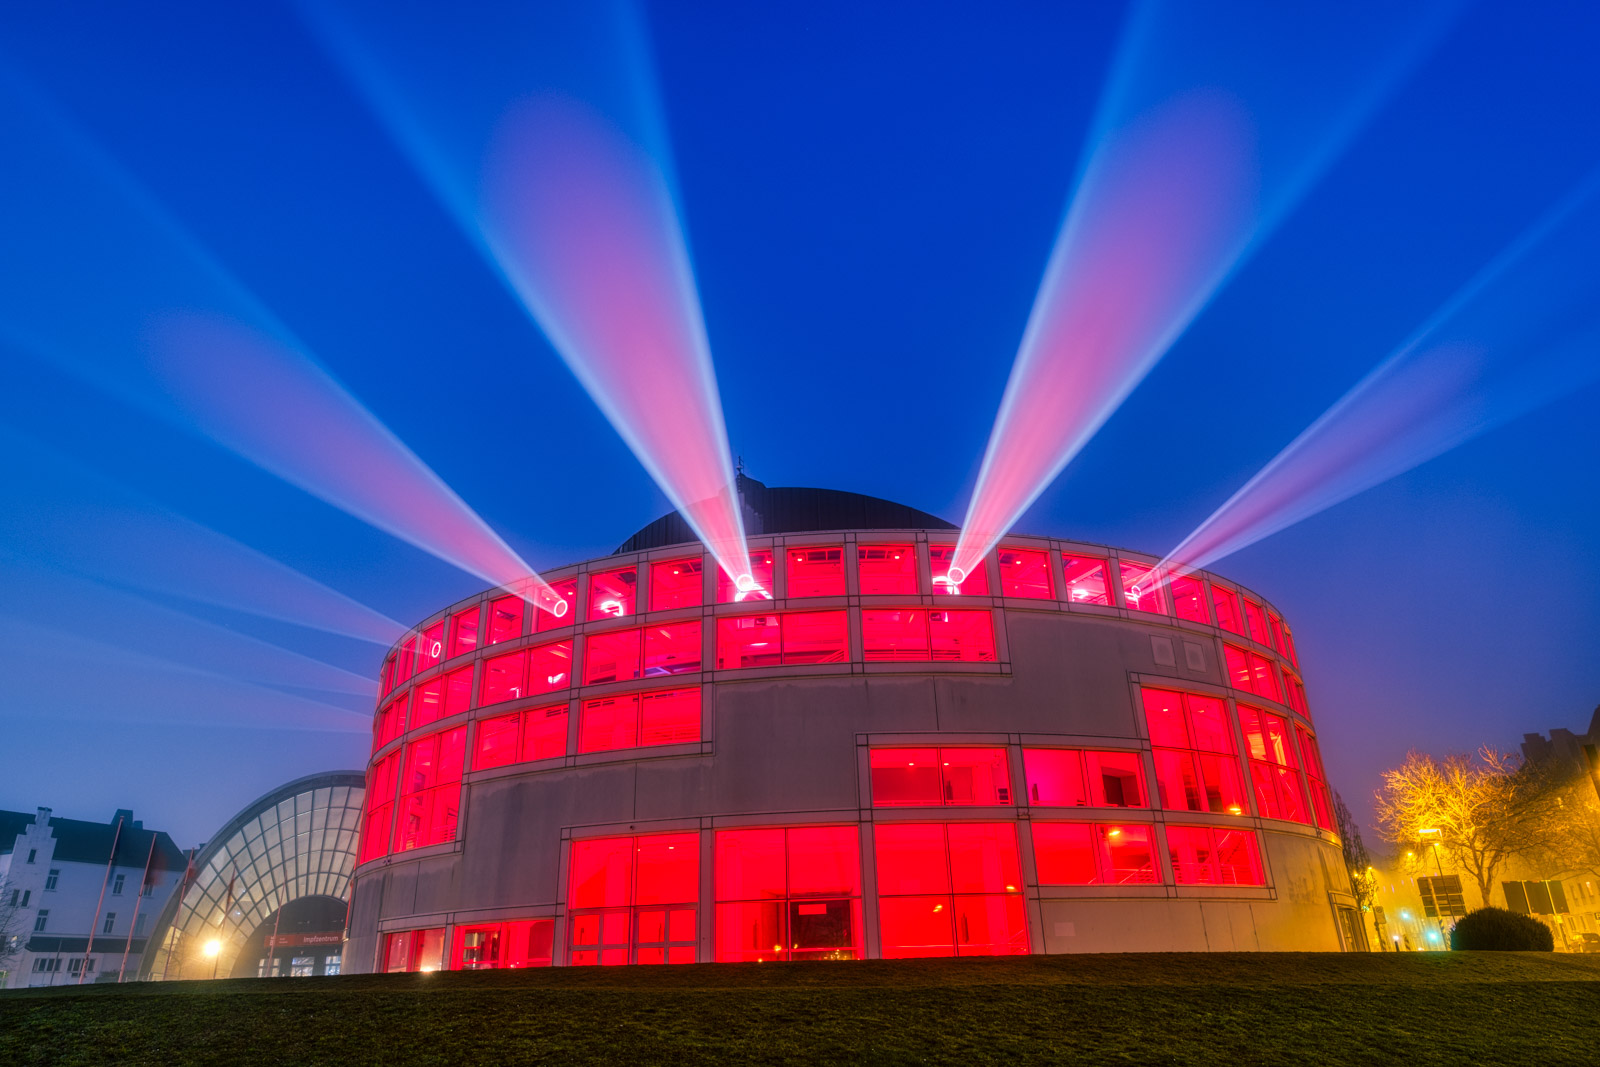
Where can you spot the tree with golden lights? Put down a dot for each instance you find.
(1477, 811)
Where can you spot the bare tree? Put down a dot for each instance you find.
(11, 918)
(1478, 811)
(1363, 880)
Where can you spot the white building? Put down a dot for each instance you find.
(73, 891)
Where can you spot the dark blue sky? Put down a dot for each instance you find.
(870, 194)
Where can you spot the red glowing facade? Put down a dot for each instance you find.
(858, 758)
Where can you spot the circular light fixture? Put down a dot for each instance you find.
(560, 608)
(745, 583)
(957, 575)
(212, 947)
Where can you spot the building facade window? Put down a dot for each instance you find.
(934, 777)
(50, 881)
(1189, 599)
(949, 890)
(41, 920)
(788, 894)
(117, 883)
(430, 799)
(1140, 589)
(507, 945)
(634, 899)
(464, 630)
(566, 590)
(505, 619)
(906, 635)
(613, 594)
(1025, 573)
(1197, 765)
(1214, 855)
(760, 570)
(640, 720)
(1084, 778)
(1273, 767)
(791, 638)
(1081, 853)
(1226, 601)
(677, 583)
(521, 737)
(110, 922)
(974, 584)
(383, 778)
(815, 571)
(884, 570)
(541, 669)
(1086, 579)
(414, 950)
(1317, 780)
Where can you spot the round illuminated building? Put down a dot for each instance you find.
(1058, 755)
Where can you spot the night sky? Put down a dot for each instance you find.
(870, 193)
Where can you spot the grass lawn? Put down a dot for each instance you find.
(1233, 1009)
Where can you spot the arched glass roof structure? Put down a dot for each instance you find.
(297, 841)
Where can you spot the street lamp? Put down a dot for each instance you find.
(1436, 835)
(213, 950)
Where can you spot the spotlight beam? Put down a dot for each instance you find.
(1523, 332)
(540, 130)
(1215, 122)
(83, 522)
(177, 335)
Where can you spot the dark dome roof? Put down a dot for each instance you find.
(790, 509)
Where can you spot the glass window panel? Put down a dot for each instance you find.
(612, 593)
(458, 690)
(816, 637)
(1163, 711)
(1275, 628)
(1086, 579)
(1238, 665)
(1208, 723)
(403, 666)
(464, 630)
(1130, 855)
(886, 569)
(749, 641)
(611, 657)
(678, 583)
(1227, 604)
(1264, 677)
(430, 646)
(1055, 777)
(1255, 621)
(824, 861)
(974, 584)
(975, 776)
(505, 619)
(602, 873)
(915, 927)
(1116, 779)
(1189, 599)
(993, 925)
(1025, 572)
(672, 649)
(566, 589)
(544, 732)
(427, 703)
(962, 636)
(816, 571)
(497, 742)
(609, 723)
(894, 635)
(905, 777)
(668, 869)
(1064, 853)
(550, 667)
(504, 678)
(751, 932)
(983, 858)
(910, 858)
(760, 570)
(750, 865)
(1140, 589)
(669, 718)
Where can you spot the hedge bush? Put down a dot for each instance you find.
(1499, 930)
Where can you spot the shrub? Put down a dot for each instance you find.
(1499, 930)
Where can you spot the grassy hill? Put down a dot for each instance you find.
(1231, 1009)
